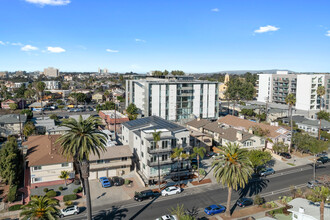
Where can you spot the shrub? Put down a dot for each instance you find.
(271, 204)
(69, 197)
(127, 182)
(12, 193)
(78, 190)
(68, 203)
(277, 211)
(15, 207)
(61, 188)
(258, 200)
(202, 172)
(51, 193)
(286, 199)
(45, 190)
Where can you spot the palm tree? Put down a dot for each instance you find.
(320, 194)
(232, 168)
(40, 208)
(156, 136)
(320, 93)
(78, 143)
(198, 152)
(178, 154)
(290, 100)
(64, 175)
(40, 89)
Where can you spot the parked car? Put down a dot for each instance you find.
(147, 194)
(70, 110)
(214, 209)
(323, 154)
(117, 181)
(194, 162)
(322, 160)
(285, 155)
(267, 171)
(171, 190)
(168, 217)
(105, 182)
(312, 184)
(70, 210)
(242, 202)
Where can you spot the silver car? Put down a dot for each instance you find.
(267, 171)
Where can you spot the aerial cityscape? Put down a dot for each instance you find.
(167, 110)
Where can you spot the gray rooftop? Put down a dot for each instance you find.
(310, 208)
(324, 124)
(12, 119)
(153, 122)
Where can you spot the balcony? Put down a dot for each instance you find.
(158, 150)
(161, 162)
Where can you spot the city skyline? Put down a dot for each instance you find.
(193, 36)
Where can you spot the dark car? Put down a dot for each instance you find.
(117, 181)
(285, 155)
(242, 202)
(323, 160)
(147, 194)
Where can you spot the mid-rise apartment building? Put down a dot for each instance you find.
(275, 88)
(174, 99)
(51, 72)
(52, 85)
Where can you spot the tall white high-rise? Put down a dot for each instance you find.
(51, 72)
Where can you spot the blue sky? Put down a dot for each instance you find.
(144, 35)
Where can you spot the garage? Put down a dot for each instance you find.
(93, 175)
(112, 172)
(102, 173)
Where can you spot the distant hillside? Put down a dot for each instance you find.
(245, 71)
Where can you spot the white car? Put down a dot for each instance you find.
(70, 210)
(171, 190)
(168, 217)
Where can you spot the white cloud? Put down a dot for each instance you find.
(49, 2)
(17, 44)
(2, 43)
(327, 34)
(266, 29)
(55, 49)
(29, 48)
(112, 51)
(140, 40)
(215, 9)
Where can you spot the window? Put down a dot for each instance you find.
(123, 166)
(142, 155)
(144, 166)
(153, 159)
(142, 142)
(65, 164)
(100, 161)
(123, 158)
(153, 145)
(164, 144)
(164, 157)
(37, 168)
(37, 179)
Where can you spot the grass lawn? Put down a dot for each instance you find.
(283, 217)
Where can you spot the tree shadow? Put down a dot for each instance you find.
(116, 213)
(254, 187)
(143, 208)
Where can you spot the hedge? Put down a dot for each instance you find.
(51, 193)
(15, 207)
(69, 197)
(78, 190)
(12, 193)
(277, 211)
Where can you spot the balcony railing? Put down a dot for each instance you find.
(158, 150)
(161, 162)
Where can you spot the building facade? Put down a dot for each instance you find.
(51, 72)
(12, 124)
(52, 85)
(174, 99)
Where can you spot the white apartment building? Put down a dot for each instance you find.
(52, 85)
(174, 99)
(138, 135)
(51, 72)
(275, 88)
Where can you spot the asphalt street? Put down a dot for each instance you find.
(270, 187)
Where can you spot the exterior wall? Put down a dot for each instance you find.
(211, 104)
(112, 167)
(10, 129)
(155, 100)
(303, 95)
(197, 100)
(251, 144)
(172, 102)
(308, 128)
(301, 216)
(139, 95)
(52, 84)
(265, 87)
(49, 173)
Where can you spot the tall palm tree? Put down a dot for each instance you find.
(156, 136)
(290, 100)
(232, 168)
(78, 143)
(178, 154)
(322, 115)
(40, 208)
(320, 93)
(41, 86)
(320, 194)
(64, 175)
(199, 153)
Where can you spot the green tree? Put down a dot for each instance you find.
(13, 106)
(181, 214)
(78, 143)
(322, 115)
(232, 168)
(320, 194)
(41, 208)
(28, 129)
(107, 95)
(177, 73)
(64, 175)
(280, 147)
(54, 117)
(81, 97)
(132, 111)
(247, 112)
(156, 137)
(258, 158)
(40, 87)
(28, 113)
(290, 100)
(199, 153)
(180, 155)
(20, 91)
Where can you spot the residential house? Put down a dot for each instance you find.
(223, 87)
(47, 126)
(275, 133)
(138, 134)
(197, 137)
(98, 97)
(312, 126)
(12, 124)
(113, 119)
(5, 104)
(303, 209)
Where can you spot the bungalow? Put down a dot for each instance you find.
(11, 124)
(6, 104)
(303, 209)
(98, 97)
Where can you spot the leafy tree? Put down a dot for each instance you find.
(41, 208)
(247, 112)
(257, 130)
(120, 99)
(199, 153)
(20, 91)
(54, 117)
(280, 147)
(232, 168)
(157, 73)
(40, 87)
(258, 158)
(10, 162)
(291, 101)
(78, 143)
(64, 175)
(13, 106)
(320, 194)
(177, 73)
(322, 115)
(132, 111)
(29, 129)
(28, 113)
(81, 97)
(165, 72)
(180, 155)
(181, 213)
(156, 137)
